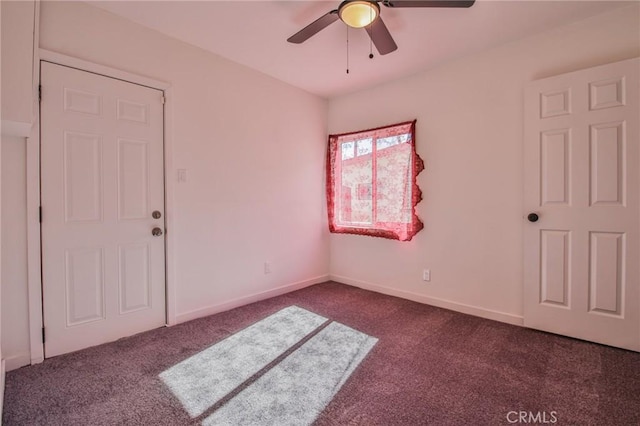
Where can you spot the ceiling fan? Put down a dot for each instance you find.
(366, 14)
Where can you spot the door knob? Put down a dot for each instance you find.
(156, 214)
(156, 232)
(533, 217)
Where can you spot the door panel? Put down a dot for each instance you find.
(102, 177)
(554, 267)
(608, 156)
(84, 279)
(581, 176)
(133, 179)
(554, 172)
(82, 164)
(606, 276)
(135, 288)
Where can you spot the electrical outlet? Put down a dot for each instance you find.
(426, 275)
(267, 267)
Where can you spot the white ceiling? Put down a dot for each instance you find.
(254, 33)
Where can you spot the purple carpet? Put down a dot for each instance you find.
(429, 366)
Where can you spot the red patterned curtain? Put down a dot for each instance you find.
(372, 182)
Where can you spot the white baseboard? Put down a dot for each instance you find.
(17, 361)
(434, 301)
(2, 373)
(245, 300)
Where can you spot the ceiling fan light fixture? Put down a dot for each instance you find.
(358, 13)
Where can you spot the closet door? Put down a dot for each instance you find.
(581, 193)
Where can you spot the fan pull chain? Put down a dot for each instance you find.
(347, 48)
(371, 46)
(371, 38)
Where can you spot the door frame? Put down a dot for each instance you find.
(34, 256)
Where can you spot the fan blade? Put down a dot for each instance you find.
(314, 27)
(381, 37)
(428, 3)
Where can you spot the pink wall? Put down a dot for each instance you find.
(469, 134)
(253, 148)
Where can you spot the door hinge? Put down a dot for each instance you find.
(40, 214)
(42, 334)
(39, 92)
(163, 99)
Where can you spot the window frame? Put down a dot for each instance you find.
(404, 231)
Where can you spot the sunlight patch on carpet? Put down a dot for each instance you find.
(295, 391)
(203, 379)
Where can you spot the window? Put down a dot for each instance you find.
(371, 182)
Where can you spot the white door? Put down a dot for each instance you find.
(102, 179)
(581, 163)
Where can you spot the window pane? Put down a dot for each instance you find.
(356, 204)
(348, 150)
(365, 146)
(394, 184)
(384, 143)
